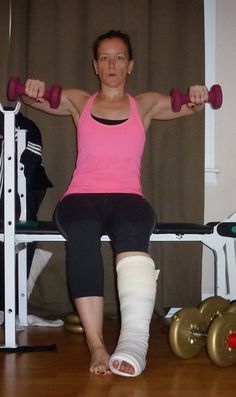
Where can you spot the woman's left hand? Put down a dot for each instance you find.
(198, 95)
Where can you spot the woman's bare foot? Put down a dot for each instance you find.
(99, 360)
(123, 366)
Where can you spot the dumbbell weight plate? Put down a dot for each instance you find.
(73, 323)
(217, 346)
(76, 328)
(212, 306)
(72, 318)
(181, 340)
(231, 308)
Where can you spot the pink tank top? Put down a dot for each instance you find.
(109, 156)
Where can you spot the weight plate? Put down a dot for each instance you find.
(212, 306)
(232, 308)
(76, 328)
(181, 338)
(218, 350)
(72, 318)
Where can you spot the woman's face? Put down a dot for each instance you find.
(113, 64)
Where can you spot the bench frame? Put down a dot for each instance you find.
(15, 237)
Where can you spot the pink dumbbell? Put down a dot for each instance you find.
(215, 98)
(16, 88)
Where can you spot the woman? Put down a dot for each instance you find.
(105, 195)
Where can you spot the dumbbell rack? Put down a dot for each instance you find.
(211, 235)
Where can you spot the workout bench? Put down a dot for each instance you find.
(218, 236)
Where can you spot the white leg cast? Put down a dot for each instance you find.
(136, 278)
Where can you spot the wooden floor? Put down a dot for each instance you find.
(65, 372)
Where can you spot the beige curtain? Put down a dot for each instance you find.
(51, 40)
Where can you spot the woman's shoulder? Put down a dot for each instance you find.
(148, 98)
(146, 101)
(78, 98)
(77, 95)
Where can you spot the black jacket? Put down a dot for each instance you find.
(36, 178)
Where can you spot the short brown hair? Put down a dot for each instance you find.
(113, 34)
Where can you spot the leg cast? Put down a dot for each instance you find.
(136, 278)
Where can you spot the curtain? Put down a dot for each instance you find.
(4, 46)
(52, 41)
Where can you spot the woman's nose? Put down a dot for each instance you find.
(111, 62)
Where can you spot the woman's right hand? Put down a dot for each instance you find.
(35, 89)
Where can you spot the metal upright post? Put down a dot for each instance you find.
(9, 225)
(22, 254)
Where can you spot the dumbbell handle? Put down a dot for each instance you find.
(16, 88)
(231, 339)
(198, 334)
(215, 98)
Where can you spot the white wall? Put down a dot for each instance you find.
(220, 200)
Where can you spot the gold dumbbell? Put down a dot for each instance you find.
(232, 308)
(73, 324)
(187, 335)
(221, 339)
(211, 307)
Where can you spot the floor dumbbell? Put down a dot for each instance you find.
(215, 98)
(15, 89)
(221, 340)
(73, 324)
(187, 335)
(211, 307)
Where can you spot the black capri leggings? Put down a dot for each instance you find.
(128, 220)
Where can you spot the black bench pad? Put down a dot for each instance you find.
(44, 227)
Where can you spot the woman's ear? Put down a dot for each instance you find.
(95, 66)
(130, 67)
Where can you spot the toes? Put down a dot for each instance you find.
(127, 368)
(100, 370)
(116, 364)
(123, 366)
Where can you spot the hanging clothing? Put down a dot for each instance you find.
(36, 179)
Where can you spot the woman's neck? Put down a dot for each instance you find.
(112, 94)
(115, 107)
